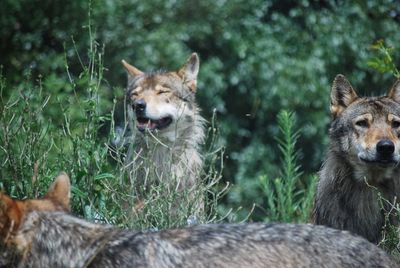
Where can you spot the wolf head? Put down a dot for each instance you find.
(366, 129)
(163, 101)
(13, 212)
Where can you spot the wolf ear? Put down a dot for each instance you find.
(132, 70)
(342, 95)
(395, 92)
(5, 203)
(9, 214)
(60, 190)
(188, 72)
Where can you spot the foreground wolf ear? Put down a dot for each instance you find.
(7, 205)
(132, 70)
(12, 211)
(188, 72)
(342, 95)
(10, 217)
(60, 190)
(395, 92)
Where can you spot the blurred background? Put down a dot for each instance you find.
(257, 58)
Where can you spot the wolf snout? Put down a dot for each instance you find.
(382, 154)
(385, 148)
(385, 151)
(140, 106)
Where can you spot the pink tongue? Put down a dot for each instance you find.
(149, 124)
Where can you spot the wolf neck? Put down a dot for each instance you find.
(374, 176)
(354, 201)
(367, 178)
(75, 241)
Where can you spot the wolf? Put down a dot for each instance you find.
(359, 183)
(162, 108)
(41, 233)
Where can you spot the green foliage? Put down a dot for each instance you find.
(383, 63)
(287, 198)
(36, 146)
(257, 57)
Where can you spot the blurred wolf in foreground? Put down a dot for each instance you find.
(34, 236)
(162, 107)
(363, 160)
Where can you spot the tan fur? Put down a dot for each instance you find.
(13, 212)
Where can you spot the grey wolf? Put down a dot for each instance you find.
(47, 236)
(362, 162)
(162, 108)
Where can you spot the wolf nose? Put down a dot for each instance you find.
(385, 147)
(140, 105)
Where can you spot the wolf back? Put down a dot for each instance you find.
(41, 233)
(77, 243)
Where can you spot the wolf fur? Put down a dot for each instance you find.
(169, 128)
(14, 212)
(362, 162)
(56, 239)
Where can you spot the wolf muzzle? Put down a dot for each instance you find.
(145, 122)
(385, 151)
(140, 107)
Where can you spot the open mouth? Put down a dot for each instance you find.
(144, 123)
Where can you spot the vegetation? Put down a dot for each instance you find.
(62, 98)
(288, 198)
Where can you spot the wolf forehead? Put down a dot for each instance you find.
(376, 106)
(156, 80)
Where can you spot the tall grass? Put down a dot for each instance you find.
(390, 241)
(42, 133)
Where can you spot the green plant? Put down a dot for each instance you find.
(390, 233)
(384, 61)
(289, 198)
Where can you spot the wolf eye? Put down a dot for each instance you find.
(162, 92)
(395, 124)
(362, 123)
